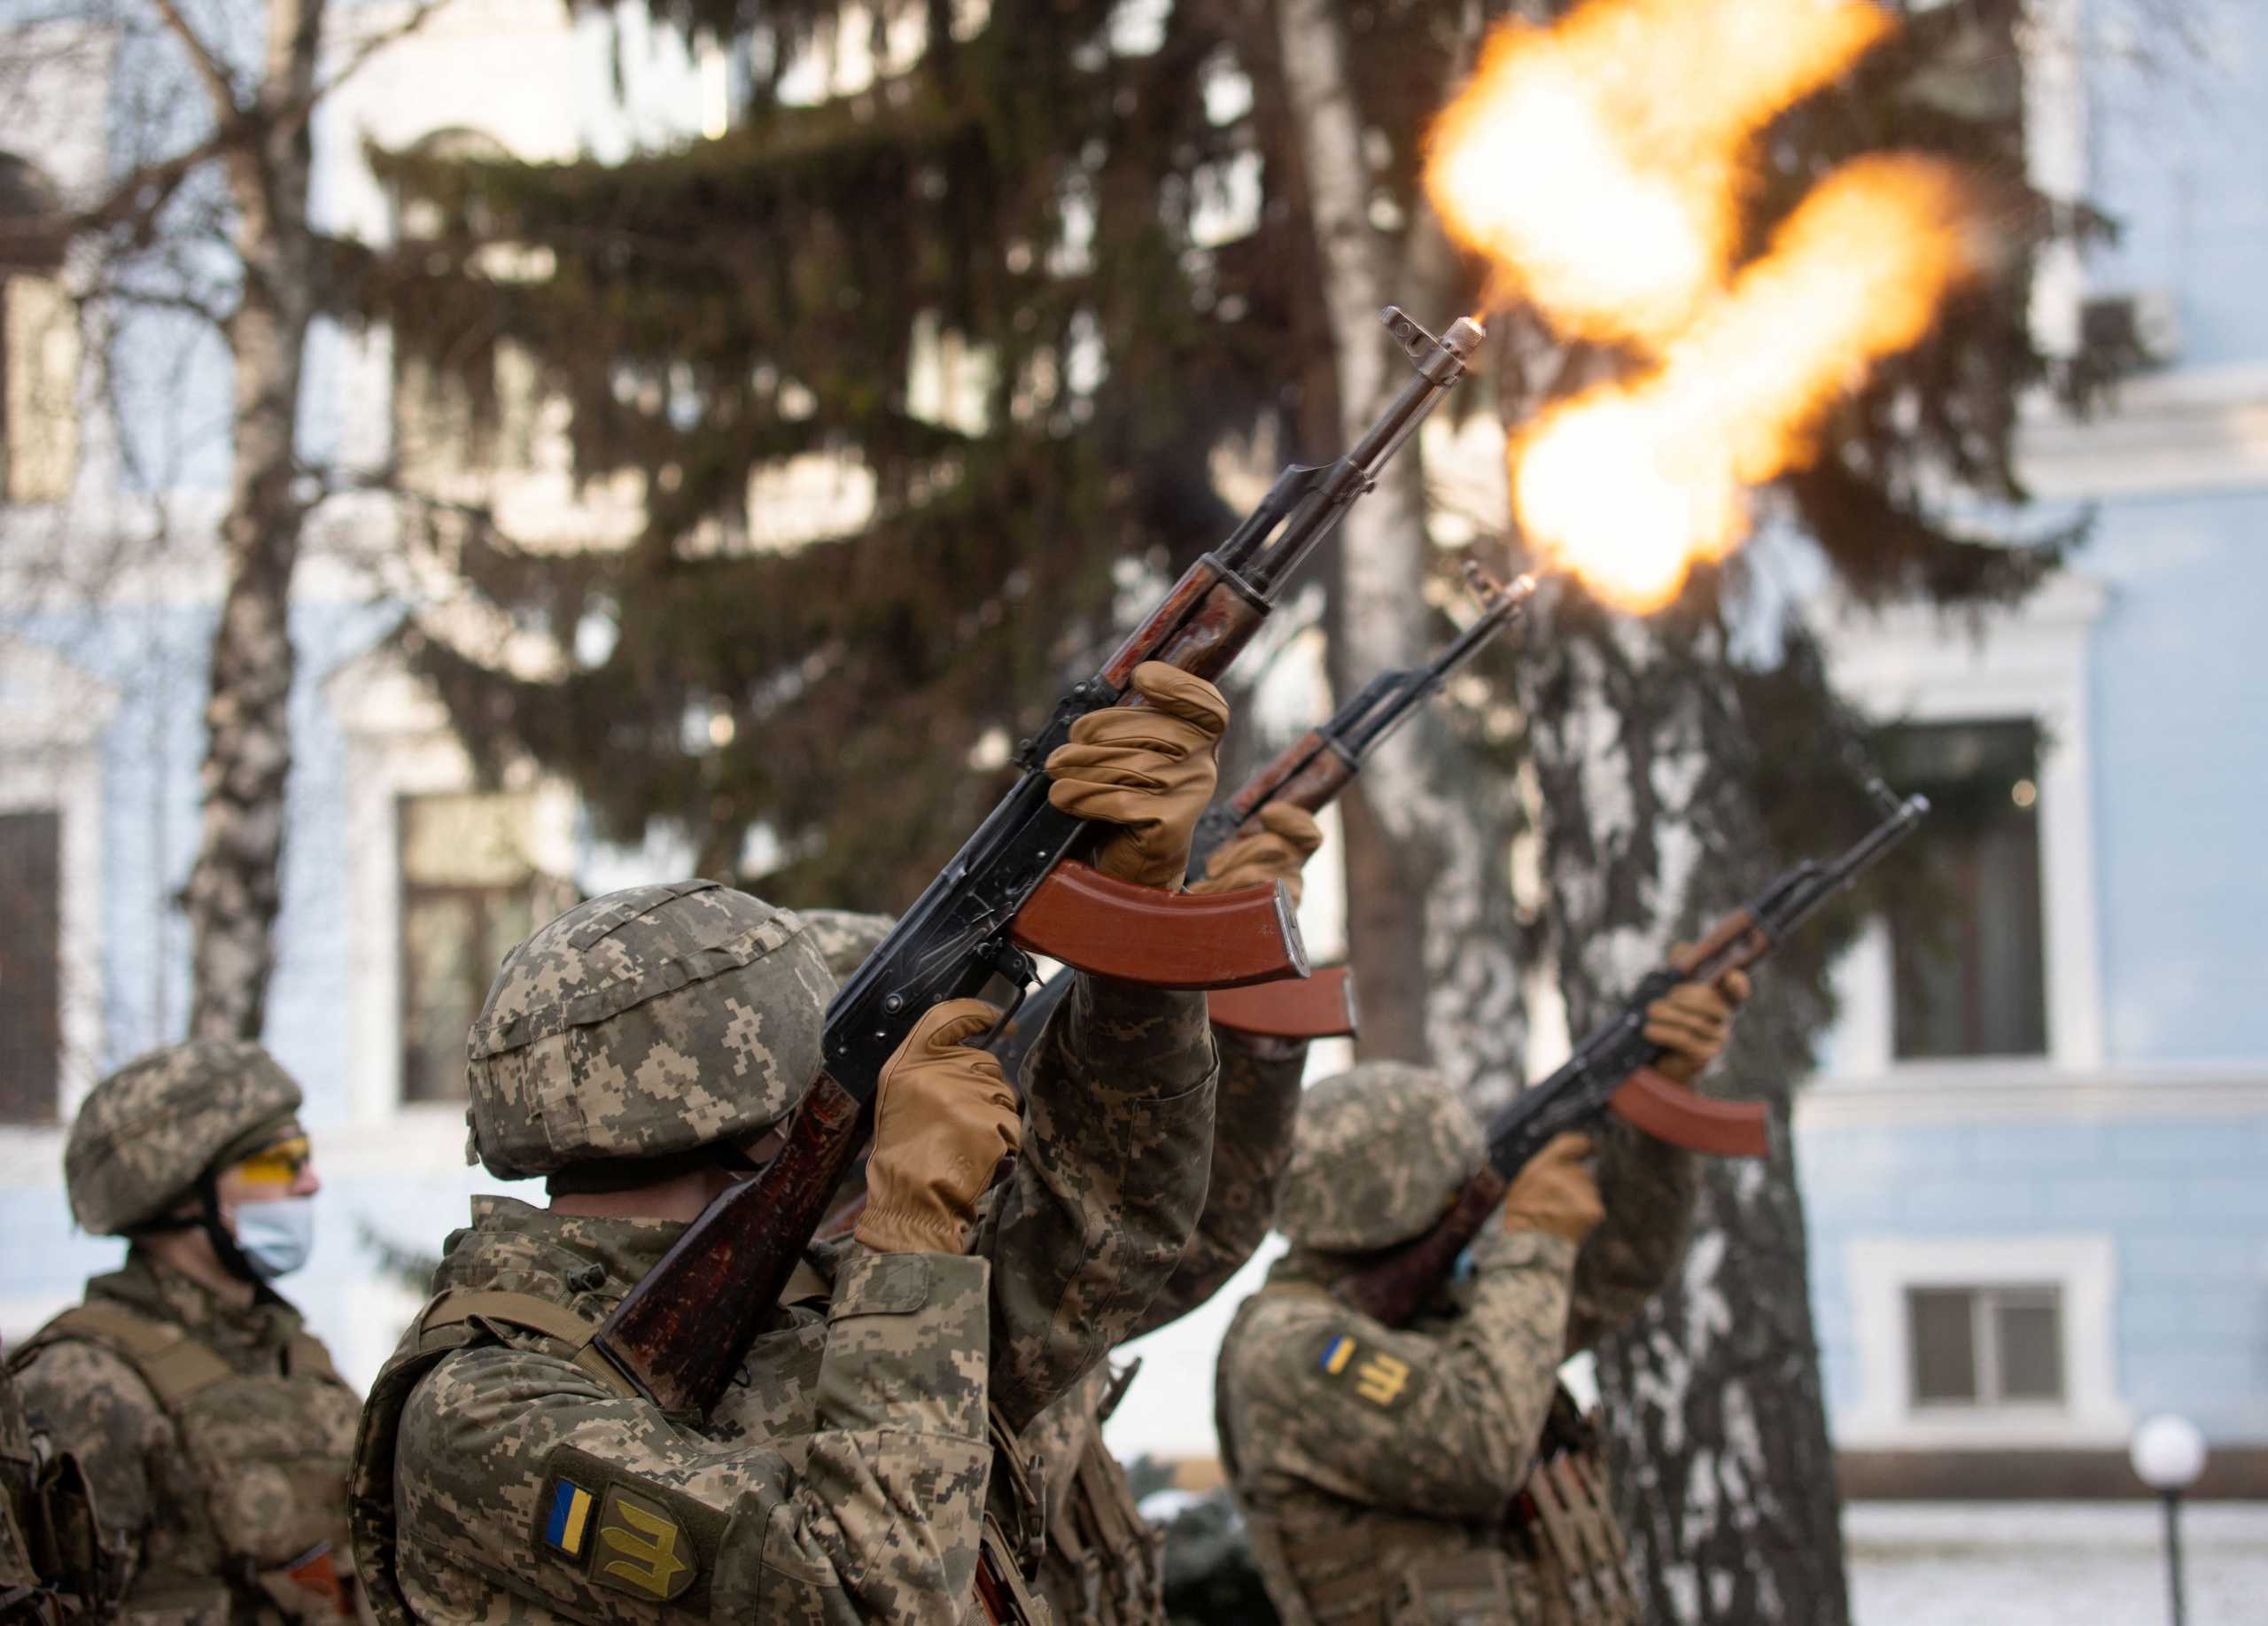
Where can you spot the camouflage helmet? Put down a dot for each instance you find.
(845, 938)
(649, 1022)
(1378, 1152)
(147, 1135)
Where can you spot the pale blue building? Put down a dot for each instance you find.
(2040, 1216)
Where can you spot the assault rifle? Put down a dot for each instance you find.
(1308, 772)
(1613, 1070)
(1016, 888)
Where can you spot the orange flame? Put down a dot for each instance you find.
(1599, 163)
(1631, 483)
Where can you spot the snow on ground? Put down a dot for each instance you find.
(2052, 1563)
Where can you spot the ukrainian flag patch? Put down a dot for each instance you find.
(567, 1518)
(1385, 1380)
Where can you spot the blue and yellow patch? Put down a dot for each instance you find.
(567, 1520)
(1385, 1380)
(618, 1530)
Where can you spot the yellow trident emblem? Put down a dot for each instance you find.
(647, 1537)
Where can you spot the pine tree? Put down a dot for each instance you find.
(718, 311)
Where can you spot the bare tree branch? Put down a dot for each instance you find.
(369, 48)
(219, 84)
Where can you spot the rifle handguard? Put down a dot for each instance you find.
(1317, 1006)
(1667, 1111)
(1138, 934)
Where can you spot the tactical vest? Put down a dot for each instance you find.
(267, 1451)
(454, 1319)
(1560, 1558)
(458, 1317)
(55, 1563)
(1105, 1562)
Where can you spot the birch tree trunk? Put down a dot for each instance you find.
(235, 886)
(1429, 915)
(1712, 1394)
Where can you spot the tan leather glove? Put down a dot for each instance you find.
(1555, 1193)
(1694, 1020)
(1286, 840)
(1148, 769)
(944, 1117)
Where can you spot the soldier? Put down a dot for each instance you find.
(640, 1052)
(1101, 1561)
(1407, 1476)
(209, 1422)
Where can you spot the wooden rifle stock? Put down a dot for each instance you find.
(680, 1332)
(1395, 1286)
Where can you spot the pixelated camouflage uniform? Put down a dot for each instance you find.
(20, 1572)
(215, 1436)
(1102, 1562)
(840, 1478)
(1392, 1475)
(55, 1563)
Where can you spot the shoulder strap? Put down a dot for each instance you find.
(454, 1319)
(306, 1356)
(531, 1314)
(172, 1362)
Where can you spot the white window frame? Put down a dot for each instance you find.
(2083, 1270)
(399, 743)
(53, 716)
(2029, 662)
(1986, 1371)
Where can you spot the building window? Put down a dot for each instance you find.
(39, 372)
(1985, 1346)
(31, 1004)
(1967, 952)
(470, 892)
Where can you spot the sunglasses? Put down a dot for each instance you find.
(279, 1164)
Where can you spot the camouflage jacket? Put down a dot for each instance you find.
(1372, 1463)
(1650, 1187)
(844, 1476)
(215, 1490)
(55, 1563)
(1108, 1188)
(20, 1570)
(1102, 1562)
(524, 1489)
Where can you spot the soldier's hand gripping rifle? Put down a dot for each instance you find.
(1309, 773)
(1015, 887)
(1613, 1070)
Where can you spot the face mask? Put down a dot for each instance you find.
(276, 1237)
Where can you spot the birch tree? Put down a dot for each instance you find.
(1429, 915)
(1651, 826)
(209, 221)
